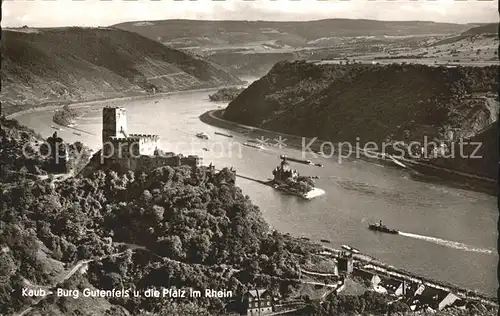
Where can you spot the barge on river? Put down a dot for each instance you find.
(382, 228)
(222, 134)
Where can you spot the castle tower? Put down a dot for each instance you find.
(114, 123)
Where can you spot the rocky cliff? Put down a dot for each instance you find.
(40, 66)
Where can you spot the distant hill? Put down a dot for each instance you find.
(369, 103)
(479, 43)
(491, 28)
(189, 33)
(40, 66)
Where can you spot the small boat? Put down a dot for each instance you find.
(205, 149)
(222, 134)
(77, 133)
(304, 238)
(325, 241)
(397, 162)
(253, 146)
(349, 248)
(382, 228)
(318, 165)
(202, 135)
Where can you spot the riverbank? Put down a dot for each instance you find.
(51, 106)
(379, 267)
(417, 170)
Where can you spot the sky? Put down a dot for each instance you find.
(51, 13)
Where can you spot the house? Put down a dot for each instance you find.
(434, 298)
(368, 276)
(393, 287)
(446, 299)
(414, 289)
(258, 302)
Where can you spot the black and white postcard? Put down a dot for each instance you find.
(304, 158)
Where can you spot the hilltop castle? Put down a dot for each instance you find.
(118, 143)
(137, 152)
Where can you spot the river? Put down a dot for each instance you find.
(449, 234)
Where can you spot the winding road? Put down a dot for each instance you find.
(80, 264)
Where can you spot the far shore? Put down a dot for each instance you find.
(84, 104)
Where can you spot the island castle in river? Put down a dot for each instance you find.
(122, 151)
(283, 172)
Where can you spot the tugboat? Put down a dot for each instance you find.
(382, 228)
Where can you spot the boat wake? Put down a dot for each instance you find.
(448, 243)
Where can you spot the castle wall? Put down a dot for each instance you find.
(147, 163)
(132, 146)
(121, 148)
(147, 143)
